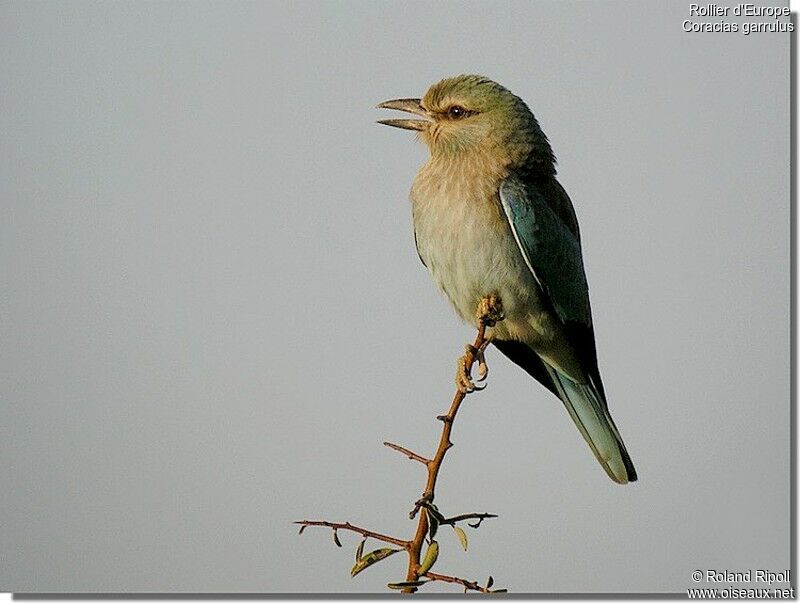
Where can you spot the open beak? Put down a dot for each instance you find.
(409, 105)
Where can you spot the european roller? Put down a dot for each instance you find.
(491, 220)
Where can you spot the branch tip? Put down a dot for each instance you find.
(451, 521)
(351, 528)
(410, 454)
(467, 584)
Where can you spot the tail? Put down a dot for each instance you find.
(587, 407)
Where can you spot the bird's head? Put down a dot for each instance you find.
(471, 113)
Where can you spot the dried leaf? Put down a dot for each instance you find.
(433, 524)
(462, 536)
(435, 512)
(360, 550)
(370, 558)
(336, 539)
(301, 529)
(402, 585)
(489, 582)
(431, 555)
(475, 525)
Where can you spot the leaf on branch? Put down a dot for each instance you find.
(360, 550)
(303, 527)
(431, 555)
(434, 511)
(336, 539)
(462, 536)
(403, 585)
(433, 524)
(370, 559)
(500, 590)
(489, 582)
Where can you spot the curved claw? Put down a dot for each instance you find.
(483, 368)
(468, 386)
(464, 381)
(483, 371)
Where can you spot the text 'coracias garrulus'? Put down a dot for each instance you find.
(490, 219)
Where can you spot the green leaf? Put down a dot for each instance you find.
(360, 550)
(462, 536)
(371, 558)
(336, 539)
(431, 555)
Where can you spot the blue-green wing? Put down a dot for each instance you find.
(550, 245)
(544, 226)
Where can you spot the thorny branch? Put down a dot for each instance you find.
(489, 313)
(351, 528)
(468, 585)
(450, 521)
(411, 455)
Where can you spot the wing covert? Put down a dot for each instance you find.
(551, 250)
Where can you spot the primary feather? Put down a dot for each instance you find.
(552, 253)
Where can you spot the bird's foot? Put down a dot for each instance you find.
(464, 381)
(490, 311)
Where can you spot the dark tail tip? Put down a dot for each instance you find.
(629, 468)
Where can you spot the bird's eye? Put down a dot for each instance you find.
(456, 112)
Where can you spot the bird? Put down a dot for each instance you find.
(491, 221)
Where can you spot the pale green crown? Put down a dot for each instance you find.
(496, 121)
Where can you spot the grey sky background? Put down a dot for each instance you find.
(212, 312)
